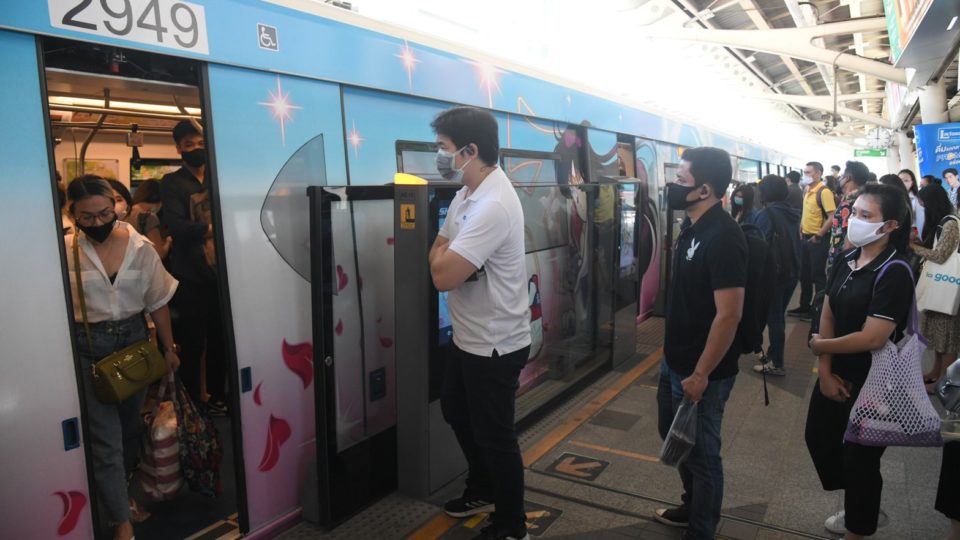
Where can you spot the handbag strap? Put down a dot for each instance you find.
(913, 319)
(83, 301)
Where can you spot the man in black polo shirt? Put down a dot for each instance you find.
(196, 304)
(704, 305)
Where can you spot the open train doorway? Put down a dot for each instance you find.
(134, 121)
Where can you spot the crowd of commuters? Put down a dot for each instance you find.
(841, 235)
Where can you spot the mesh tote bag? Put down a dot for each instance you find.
(893, 408)
(939, 286)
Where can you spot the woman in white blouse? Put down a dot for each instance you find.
(122, 278)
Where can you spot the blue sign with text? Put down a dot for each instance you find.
(938, 147)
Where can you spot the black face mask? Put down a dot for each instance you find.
(98, 232)
(677, 196)
(195, 158)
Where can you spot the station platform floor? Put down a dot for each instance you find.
(592, 470)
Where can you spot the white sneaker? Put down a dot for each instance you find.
(837, 523)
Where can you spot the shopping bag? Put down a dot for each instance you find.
(200, 447)
(160, 475)
(682, 435)
(893, 408)
(939, 286)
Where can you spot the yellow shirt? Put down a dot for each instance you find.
(812, 219)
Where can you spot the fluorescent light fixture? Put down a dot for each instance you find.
(751, 58)
(953, 22)
(126, 105)
(860, 140)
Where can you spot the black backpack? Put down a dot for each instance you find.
(786, 258)
(761, 278)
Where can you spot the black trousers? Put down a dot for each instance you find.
(842, 465)
(478, 402)
(948, 491)
(813, 269)
(197, 327)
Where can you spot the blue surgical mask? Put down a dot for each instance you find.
(738, 201)
(445, 165)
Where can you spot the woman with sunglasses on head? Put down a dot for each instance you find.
(869, 296)
(121, 277)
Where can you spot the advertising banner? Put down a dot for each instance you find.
(938, 147)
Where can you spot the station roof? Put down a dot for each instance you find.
(607, 45)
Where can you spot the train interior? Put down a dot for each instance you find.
(111, 114)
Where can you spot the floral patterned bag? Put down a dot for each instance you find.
(200, 448)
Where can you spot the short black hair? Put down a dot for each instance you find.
(816, 165)
(466, 125)
(834, 167)
(950, 170)
(122, 190)
(793, 177)
(772, 188)
(709, 165)
(147, 192)
(858, 172)
(871, 178)
(893, 180)
(182, 129)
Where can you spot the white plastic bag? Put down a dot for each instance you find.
(682, 436)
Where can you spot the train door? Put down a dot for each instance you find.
(674, 220)
(44, 492)
(137, 120)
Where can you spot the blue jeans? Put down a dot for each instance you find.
(776, 324)
(702, 472)
(114, 429)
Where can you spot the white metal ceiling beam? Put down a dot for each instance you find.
(804, 18)
(794, 42)
(824, 103)
(753, 11)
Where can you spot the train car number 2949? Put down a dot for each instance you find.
(164, 23)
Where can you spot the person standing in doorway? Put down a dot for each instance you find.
(794, 191)
(818, 204)
(704, 307)
(478, 256)
(196, 305)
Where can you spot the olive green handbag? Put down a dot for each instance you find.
(121, 374)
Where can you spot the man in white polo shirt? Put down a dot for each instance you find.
(478, 257)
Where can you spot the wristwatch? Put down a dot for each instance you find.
(174, 348)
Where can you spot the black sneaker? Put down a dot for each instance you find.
(673, 517)
(217, 408)
(496, 531)
(467, 506)
(799, 312)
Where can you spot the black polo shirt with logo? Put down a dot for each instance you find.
(710, 255)
(856, 294)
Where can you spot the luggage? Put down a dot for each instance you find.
(160, 475)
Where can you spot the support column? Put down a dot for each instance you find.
(893, 159)
(933, 103)
(907, 158)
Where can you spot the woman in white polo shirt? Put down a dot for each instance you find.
(479, 257)
(122, 278)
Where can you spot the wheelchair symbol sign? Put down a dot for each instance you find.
(267, 37)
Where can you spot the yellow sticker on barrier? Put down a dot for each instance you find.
(408, 216)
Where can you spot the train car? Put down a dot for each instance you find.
(289, 94)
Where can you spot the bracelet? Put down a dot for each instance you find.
(174, 348)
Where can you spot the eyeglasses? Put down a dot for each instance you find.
(104, 216)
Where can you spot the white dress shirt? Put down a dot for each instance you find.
(142, 283)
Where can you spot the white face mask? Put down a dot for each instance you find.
(861, 233)
(806, 180)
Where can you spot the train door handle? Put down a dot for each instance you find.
(71, 433)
